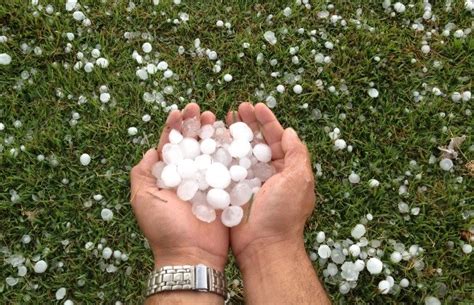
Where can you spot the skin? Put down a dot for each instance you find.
(268, 244)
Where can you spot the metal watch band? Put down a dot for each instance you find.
(187, 277)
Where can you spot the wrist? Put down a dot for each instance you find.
(187, 256)
(267, 254)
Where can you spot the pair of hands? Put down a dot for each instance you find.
(278, 212)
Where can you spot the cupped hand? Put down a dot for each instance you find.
(281, 207)
(175, 235)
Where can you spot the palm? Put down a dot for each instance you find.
(167, 221)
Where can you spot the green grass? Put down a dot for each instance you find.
(387, 133)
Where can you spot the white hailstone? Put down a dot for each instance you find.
(70, 36)
(458, 33)
(187, 190)
(466, 96)
(239, 148)
(190, 148)
(142, 74)
(369, 217)
(329, 45)
(95, 53)
(270, 37)
(231, 216)
(374, 265)
(22, 271)
(358, 231)
(11, 281)
(262, 152)
(26, 239)
(218, 198)
(297, 89)
(202, 162)
(151, 69)
(384, 287)
(359, 265)
(395, 257)
(106, 214)
(168, 73)
(430, 300)
(404, 283)
(212, 55)
(240, 194)
(60, 293)
(175, 136)
(321, 237)
(70, 5)
(245, 163)
(146, 47)
(162, 65)
(208, 146)
(446, 164)
(227, 77)
(399, 7)
(88, 67)
(102, 62)
(240, 130)
(373, 183)
(170, 176)
(340, 144)
(238, 173)
(78, 16)
(206, 131)
(104, 97)
(89, 245)
(3, 39)
(324, 251)
(466, 248)
(117, 254)
(85, 159)
(219, 23)
(5, 59)
(425, 49)
(354, 250)
(354, 178)
(40, 266)
(204, 212)
(186, 169)
(287, 11)
(280, 88)
(17, 124)
(469, 5)
(373, 93)
(146, 118)
(68, 302)
(218, 176)
(107, 253)
(2, 126)
(132, 131)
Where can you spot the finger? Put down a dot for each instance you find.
(296, 157)
(207, 117)
(173, 122)
(247, 114)
(232, 117)
(143, 168)
(271, 129)
(191, 110)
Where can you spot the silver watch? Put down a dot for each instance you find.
(187, 277)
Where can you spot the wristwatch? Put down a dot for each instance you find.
(187, 277)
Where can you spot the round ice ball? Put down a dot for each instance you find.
(218, 176)
(262, 152)
(238, 173)
(172, 153)
(240, 130)
(239, 148)
(203, 212)
(170, 176)
(231, 216)
(186, 168)
(374, 265)
(208, 146)
(85, 159)
(175, 137)
(40, 266)
(240, 194)
(190, 148)
(187, 189)
(218, 198)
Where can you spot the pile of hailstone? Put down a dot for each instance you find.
(214, 168)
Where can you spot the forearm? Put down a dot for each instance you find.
(281, 274)
(184, 298)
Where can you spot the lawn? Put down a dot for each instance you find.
(396, 84)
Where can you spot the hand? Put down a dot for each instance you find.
(280, 209)
(175, 235)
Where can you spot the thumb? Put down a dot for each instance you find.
(296, 155)
(145, 164)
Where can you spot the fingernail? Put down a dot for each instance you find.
(293, 132)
